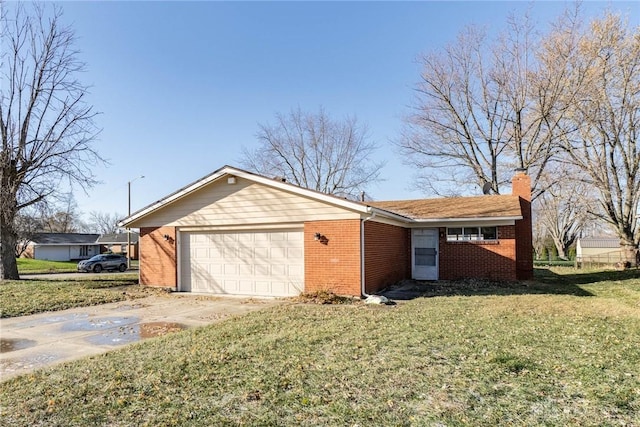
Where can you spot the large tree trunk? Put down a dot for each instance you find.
(629, 250)
(8, 266)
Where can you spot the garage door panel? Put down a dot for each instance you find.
(245, 270)
(269, 263)
(245, 287)
(230, 286)
(260, 254)
(296, 270)
(279, 270)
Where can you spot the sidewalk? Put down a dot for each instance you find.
(31, 342)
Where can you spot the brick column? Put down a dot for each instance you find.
(521, 187)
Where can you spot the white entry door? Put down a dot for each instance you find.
(424, 254)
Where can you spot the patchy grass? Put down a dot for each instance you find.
(555, 358)
(323, 297)
(38, 266)
(24, 297)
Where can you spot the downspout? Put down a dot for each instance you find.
(362, 284)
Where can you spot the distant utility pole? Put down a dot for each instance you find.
(129, 214)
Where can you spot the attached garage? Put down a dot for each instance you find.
(261, 263)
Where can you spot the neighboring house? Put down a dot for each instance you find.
(605, 250)
(62, 246)
(117, 243)
(235, 232)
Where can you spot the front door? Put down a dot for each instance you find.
(424, 254)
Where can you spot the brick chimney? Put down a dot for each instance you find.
(521, 187)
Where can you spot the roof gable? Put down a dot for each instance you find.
(231, 172)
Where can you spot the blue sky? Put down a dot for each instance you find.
(182, 86)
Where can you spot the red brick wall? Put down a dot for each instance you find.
(521, 186)
(387, 255)
(491, 260)
(158, 257)
(334, 262)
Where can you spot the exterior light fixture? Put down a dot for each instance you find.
(317, 236)
(166, 237)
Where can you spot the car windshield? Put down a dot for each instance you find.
(96, 258)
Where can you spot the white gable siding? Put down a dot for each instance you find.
(220, 204)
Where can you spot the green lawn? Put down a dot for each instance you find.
(24, 297)
(37, 266)
(562, 352)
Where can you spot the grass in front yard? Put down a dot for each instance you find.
(24, 297)
(38, 266)
(556, 358)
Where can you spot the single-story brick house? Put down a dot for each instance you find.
(235, 232)
(62, 246)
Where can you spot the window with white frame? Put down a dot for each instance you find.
(471, 233)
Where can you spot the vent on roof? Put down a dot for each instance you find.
(280, 178)
(486, 188)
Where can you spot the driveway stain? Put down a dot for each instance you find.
(128, 334)
(97, 324)
(13, 344)
(39, 321)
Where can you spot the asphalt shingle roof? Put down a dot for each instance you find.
(492, 206)
(64, 238)
(117, 238)
(600, 242)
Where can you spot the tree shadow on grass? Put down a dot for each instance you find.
(545, 282)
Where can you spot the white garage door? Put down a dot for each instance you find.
(52, 253)
(262, 263)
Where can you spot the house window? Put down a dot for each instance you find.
(471, 233)
(84, 250)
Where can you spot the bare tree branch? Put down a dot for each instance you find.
(316, 152)
(47, 128)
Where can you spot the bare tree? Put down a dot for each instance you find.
(606, 73)
(563, 210)
(313, 150)
(26, 226)
(46, 126)
(60, 215)
(484, 107)
(103, 223)
(458, 125)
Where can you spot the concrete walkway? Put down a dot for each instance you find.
(31, 342)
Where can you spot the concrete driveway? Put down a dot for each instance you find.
(31, 342)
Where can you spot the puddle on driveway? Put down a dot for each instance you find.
(99, 323)
(51, 319)
(13, 344)
(131, 333)
(28, 363)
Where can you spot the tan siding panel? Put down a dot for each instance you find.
(242, 203)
